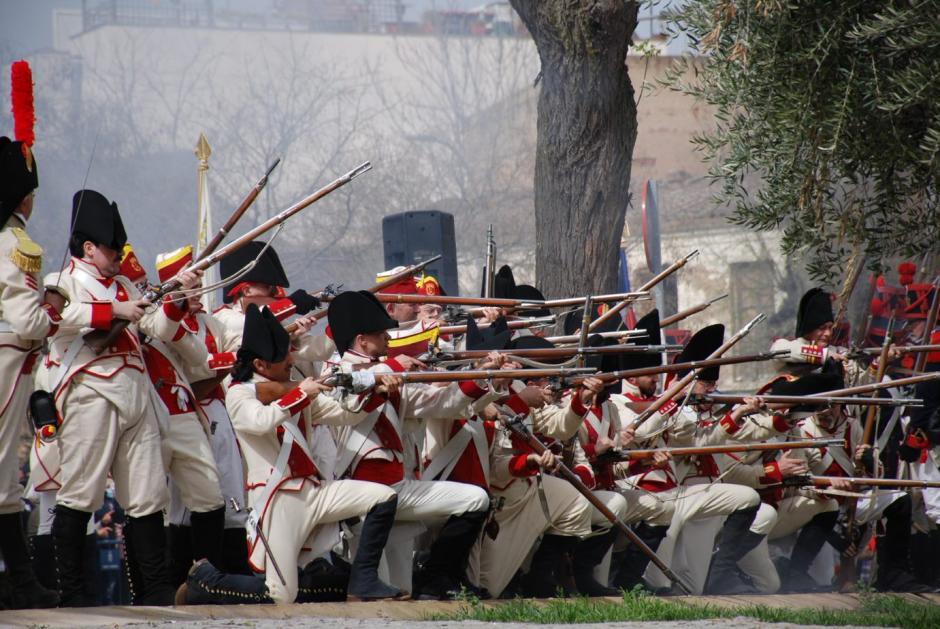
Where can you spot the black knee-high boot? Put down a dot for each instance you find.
(587, 555)
(795, 577)
(27, 591)
(734, 541)
(439, 578)
(68, 538)
(364, 581)
(545, 576)
(631, 563)
(146, 556)
(207, 531)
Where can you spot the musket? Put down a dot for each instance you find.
(902, 349)
(878, 386)
(99, 341)
(574, 338)
(515, 324)
(489, 271)
(585, 326)
(597, 299)
(688, 312)
(921, 361)
(825, 481)
(518, 427)
(613, 376)
(341, 379)
(456, 300)
(869, 432)
(264, 542)
(672, 268)
(680, 384)
(220, 235)
(618, 455)
(802, 400)
(327, 294)
(556, 352)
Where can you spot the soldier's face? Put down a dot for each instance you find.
(822, 335)
(104, 257)
(429, 312)
(373, 344)
(258, 294)
(402, 312)
(279, 371)
(646, 384)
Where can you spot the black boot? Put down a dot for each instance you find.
(27, 591)
(894, 564)
(68, 537)
(322, 582)
(587, 555)
(795, 576)
(546, 572)
(43, 554)
(734, 541)
(440, 576)
(235, 551)
(206, 585)
(364, 582)
(179, 553)
(146, 559)
(207, 529)
(630, 565)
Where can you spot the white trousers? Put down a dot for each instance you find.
(191, 466)
(13, 424)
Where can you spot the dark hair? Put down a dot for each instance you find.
(243, 370)
(77, 244)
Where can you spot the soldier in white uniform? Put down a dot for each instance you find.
(290, 496)
(108, 423)
(385, 447)
(24, 322)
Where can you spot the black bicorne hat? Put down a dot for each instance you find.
(649, 323)
(575, 318)
(504, 284)
(98, 220)
(493, 337)
(807, 385)
(702, 344)
(267, 270)
(525, 292)
(18, 176)
(815, 310)
(263, 335)
(356, 312)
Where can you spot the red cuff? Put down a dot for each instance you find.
(472, 390)
(919, 442)
(780, 423)
(668, 408)
(54, 318)
(282, 308)
(812, 353)
(586, 475)
(101, 315)
(394, 365)
(518, 406)
(577, 406)
(173, 311)
(771, 474)
(729, 424)
(294, 400)
(519, 466)
(222, 360)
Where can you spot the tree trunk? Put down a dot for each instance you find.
(586, 133)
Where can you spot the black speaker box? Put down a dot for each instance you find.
(411, 237)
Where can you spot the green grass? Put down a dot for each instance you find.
(874, 610)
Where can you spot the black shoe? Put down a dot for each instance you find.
(627, 568)
(441, 574)
(734, 541)
(322, 582)
(545, 578)
(146, 558)
(27, 593)
(364, 581)
(68, 537)
(588, 554)
(205, 585)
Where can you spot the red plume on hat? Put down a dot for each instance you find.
(906, 271)
(24, 111)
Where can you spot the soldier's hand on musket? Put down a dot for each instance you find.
(410, 363)
(504, 383)
(130, 310)
(789, 465)
(313, 387)
(302, 325)
(841, 484)
(189, 279)
(389, 384)
(627, 436)
(860, 450)
(661, 460)
(493, 360)
(590, 388)
(536, 397)
(751, 405)
(545, 461)
(603, 444)
(492, 313)
(894, 353)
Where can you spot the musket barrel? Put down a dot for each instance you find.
(815, 401)
(626, 455)
(485, 374)
(874, 482)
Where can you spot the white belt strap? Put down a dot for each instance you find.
(71, 353)
(95, 287)
(360, 434)
(447, 458)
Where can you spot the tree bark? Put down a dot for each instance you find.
(586, 132)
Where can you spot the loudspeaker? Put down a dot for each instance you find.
(410, 237)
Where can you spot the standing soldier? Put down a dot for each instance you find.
(24, 320)
(108, 423)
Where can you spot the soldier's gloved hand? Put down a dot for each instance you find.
(304, 301)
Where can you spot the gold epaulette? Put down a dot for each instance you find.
(27, 255)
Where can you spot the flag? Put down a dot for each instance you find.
(205, 231)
